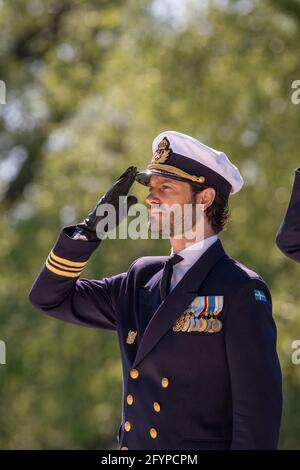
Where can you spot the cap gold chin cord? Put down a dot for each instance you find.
(176, 171)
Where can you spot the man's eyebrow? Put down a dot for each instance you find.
(166, 181)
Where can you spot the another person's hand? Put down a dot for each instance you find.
(87, 229)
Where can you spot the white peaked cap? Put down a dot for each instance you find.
(182, 157)
(214, 159)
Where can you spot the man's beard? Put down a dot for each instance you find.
(176, 221)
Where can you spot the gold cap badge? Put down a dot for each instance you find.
(163, 151)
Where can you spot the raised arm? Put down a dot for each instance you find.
(288, 235)
(58, 291)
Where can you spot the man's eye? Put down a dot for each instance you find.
(166, 186)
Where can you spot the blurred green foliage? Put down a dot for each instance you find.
(89, 85)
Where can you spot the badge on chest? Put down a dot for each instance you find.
(201, 315)
(131, 337)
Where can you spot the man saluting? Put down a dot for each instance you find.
(196, 332)
(288, 235)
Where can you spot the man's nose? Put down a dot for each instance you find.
(152, 198)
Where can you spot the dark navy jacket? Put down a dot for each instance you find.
(288, 235)
(222, 390)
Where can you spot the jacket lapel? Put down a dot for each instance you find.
(178, 299)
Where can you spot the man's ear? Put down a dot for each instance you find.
(206, 197)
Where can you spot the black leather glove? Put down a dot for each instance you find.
(87, 229)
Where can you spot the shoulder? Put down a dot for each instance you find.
(243, 272)
(239, 278)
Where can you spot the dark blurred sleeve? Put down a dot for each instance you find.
(288, 235)
(250, 335)
(59, 292)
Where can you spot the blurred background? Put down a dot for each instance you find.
(89, 83)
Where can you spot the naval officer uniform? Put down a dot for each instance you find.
(196, 332)
(288, 235)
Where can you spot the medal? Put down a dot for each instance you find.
(216, 325)
(179, 323)
(201, 316)
(187, 322)
(192, 323)
(208, 327)
(203, 325)
(197, 324)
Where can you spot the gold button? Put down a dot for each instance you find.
(156, 406)
(129, 399)
(124, 448)
(127, 426)
(134, 373)
(153, 433)
(164, 382)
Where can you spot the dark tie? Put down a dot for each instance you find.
(167, 274)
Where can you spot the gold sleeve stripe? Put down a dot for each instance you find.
(68, 262)
(60, 272)
(62, 267)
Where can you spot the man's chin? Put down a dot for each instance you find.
(154, 232)
(164, 234)
(157, 231)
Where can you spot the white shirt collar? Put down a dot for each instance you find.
(191, 253)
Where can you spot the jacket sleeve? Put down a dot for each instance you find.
(250, 336)
(288, 235)
(58, 291)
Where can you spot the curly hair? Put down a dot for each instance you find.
(217, 213)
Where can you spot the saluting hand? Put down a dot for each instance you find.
(87, 229)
